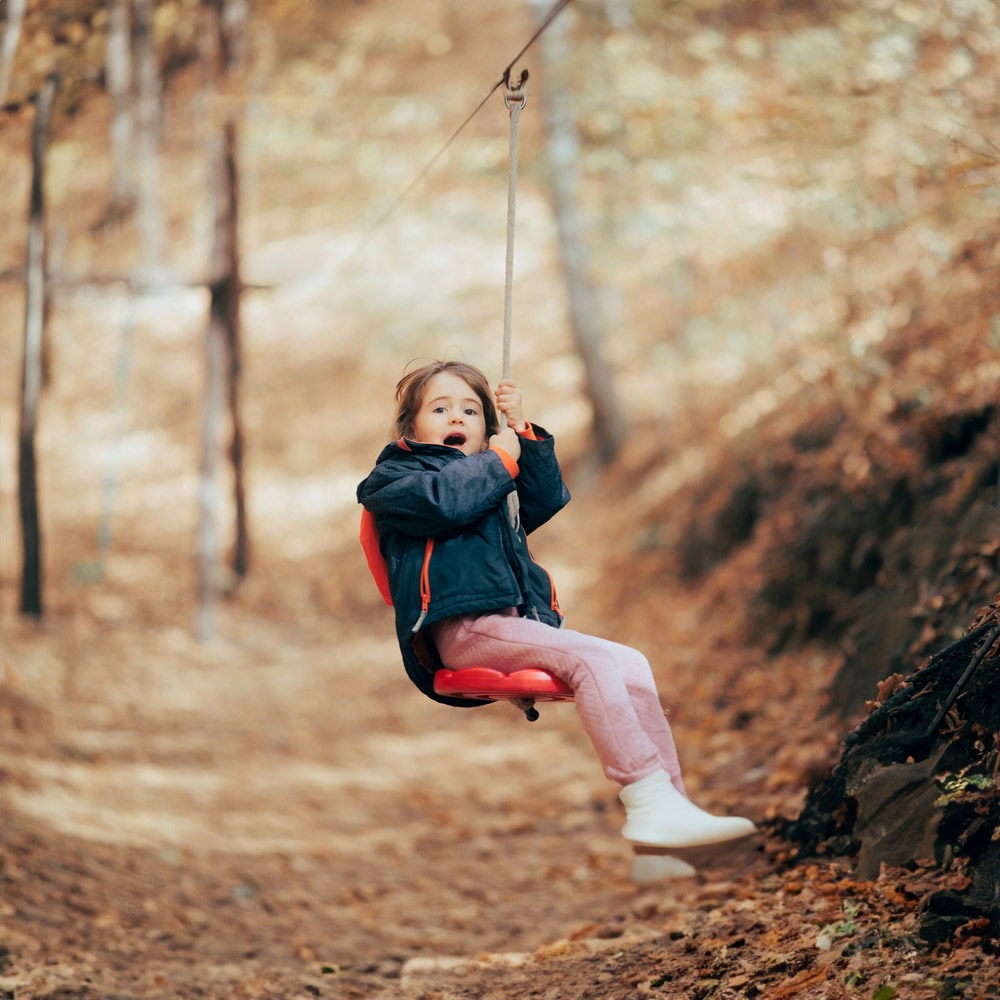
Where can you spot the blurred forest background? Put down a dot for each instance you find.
(755, 302)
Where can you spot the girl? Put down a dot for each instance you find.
(453, 558)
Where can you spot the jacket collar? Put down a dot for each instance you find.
(418, 447)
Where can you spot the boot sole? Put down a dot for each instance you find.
(739, 849)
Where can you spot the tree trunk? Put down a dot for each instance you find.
(11, 36)
(207, 546)
(619, 14)
(563, 147)
(234, 33)
(150, 214)
(223, 351)
(118, 75)
(31, 378)
(230, 293)
(918, 782)
(207, 557)
(233, 39)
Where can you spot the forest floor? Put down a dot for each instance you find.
(277, 815)
(276, 812)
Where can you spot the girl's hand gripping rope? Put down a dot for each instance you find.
(509, 403)
(509, 441)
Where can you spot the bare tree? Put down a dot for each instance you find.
(118, 74)
(234, 16)
(221, 39)
(234, 33)
(228, 292)
(563, 150)
(31, 378)
(11, 36)
(147, 69)
(619, 14)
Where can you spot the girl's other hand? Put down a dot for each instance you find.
(509, 404)
(509, 441)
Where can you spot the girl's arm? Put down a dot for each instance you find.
(432, 502)
(540, 487)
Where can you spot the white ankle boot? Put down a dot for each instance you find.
(660, 816)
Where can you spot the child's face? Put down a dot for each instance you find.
(451, 414)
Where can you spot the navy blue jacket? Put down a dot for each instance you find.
(448, 542)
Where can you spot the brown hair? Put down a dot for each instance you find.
(411, 387)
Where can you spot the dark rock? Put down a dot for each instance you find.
(908, 791)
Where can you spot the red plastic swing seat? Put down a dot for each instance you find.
(487, 684)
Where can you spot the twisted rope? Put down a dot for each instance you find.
(514, 98)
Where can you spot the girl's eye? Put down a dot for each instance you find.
(439, 409)
(471, 412)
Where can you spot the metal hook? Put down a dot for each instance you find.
(519, 97)
(515, 93)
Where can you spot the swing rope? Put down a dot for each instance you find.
(514, 98)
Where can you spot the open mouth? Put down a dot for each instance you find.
(456, 439)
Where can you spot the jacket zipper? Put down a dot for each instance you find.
(514, 559)
(511, 555)
(425, 584)
(552, 584)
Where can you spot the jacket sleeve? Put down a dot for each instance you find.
(540, 487)
(435, 502)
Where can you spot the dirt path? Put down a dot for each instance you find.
(270, 808)
(278, 812)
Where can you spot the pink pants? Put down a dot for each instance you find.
(613, 686)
